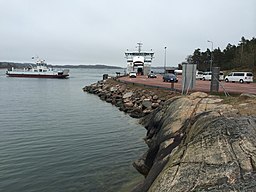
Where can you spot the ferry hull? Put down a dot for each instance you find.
(37, 76)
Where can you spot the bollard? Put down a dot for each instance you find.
(105, 76)
(172, 86)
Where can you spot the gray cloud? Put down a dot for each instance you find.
(98, 31)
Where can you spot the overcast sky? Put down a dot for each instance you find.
(99, 31)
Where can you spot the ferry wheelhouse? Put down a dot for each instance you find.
(139, 61)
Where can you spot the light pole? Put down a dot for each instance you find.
(242, 47)
(165, 59)
(211, 54)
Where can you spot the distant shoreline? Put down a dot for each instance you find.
(5, 65)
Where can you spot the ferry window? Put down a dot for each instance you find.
(44, 70)
(40, 70)
(35, 70)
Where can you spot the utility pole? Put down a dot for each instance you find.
(165, 59)
(211, 55)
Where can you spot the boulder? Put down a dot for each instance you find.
(127, 95)
(155, 97)
(128, 104)
(147, 103)
(154, 105)
(113, 89)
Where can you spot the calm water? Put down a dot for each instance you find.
(55, 137)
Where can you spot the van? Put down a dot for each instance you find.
(240, 77)
(208, 76)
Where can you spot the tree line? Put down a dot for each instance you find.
(233, 57)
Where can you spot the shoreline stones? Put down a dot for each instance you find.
(134, 101)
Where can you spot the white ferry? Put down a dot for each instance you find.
(41, 70)
(139, 61)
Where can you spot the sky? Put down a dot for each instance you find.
(100, 31)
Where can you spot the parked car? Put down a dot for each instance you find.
(208, 76)
(132, 74)
(151, 75)
(169, 77)
(199, 75)
(240, 77)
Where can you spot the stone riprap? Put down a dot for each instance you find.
(135, 101)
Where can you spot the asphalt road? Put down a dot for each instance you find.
(201, 85)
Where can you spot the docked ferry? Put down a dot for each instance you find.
(40, 70)
(139, 61)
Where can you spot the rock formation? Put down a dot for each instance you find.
(195, 143)
(198, 144)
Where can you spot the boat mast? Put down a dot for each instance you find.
(139, 46)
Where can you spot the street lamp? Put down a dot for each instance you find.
(165, 59)
(211, 54)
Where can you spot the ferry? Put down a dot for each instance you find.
(40, 70)
(139, 61)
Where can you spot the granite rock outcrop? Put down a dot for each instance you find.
(197, 143)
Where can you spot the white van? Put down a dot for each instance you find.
(240, 77)
(208, 76)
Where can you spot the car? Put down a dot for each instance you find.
(199, 75)
(208, 76)
(240, 77)
(169, 77)
(132, 74)
(151, 75)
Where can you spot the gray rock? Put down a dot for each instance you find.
(147, 103)
(247, 96)
(155, 105)
(197, 146)
(127, 95)
(155, 97)
(113, 89)
(128, 104)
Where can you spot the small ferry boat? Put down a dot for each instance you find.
(40, 70)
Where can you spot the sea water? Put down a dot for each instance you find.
(55, 137)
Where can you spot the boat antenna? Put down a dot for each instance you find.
(139, 46)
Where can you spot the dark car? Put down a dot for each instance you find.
(170, 78)
(152, 75)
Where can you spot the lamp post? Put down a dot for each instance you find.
(165, 59)
(242, 47)
(211, 54)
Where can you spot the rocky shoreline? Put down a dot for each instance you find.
(195, 143)
(137, 102)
